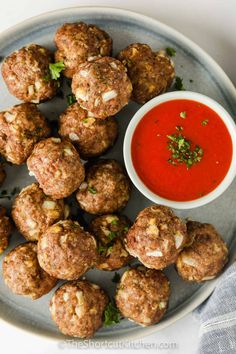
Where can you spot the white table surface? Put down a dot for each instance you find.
(212, 25)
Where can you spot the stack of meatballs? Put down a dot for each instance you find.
(58, 247)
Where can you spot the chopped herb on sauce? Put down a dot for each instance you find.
(182, 151)
(112, 235)
(178, 85)
(111, 315)
(179, 128)
(126, 228)
(92, 190)
(116, 278)
(183, 114)
(70, 99)
(170, 51)
(114, 222)
(205, 122)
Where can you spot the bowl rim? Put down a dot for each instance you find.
(138, 116)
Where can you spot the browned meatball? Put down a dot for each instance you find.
(102, 87)
(66, 251)
(205, 257)
(5, 229)
(157, 237)
(25, 72)
(92, 136)
(57, 167)
(22, 273)
(21, 127)
(77, 308)
(33, 211)
(106, 188)
(2, 174)
(142, 295)
(150, 73)
(109, 231)
(79, 42)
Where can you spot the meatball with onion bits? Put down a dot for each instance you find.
(157, 237)
(21, 127)
(205, 257)
(92, 136)
(25, 73)
(142, 295)
(5, 229)
(33, 211)
(66, 251)
(22, 273)
(57, 167)
(109, 231)
(78, 43)
(102, 87)
(151, 73)
(77, 308)
(106, 188)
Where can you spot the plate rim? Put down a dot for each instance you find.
(204, 292)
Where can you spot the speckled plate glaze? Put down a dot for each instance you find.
(192, 63)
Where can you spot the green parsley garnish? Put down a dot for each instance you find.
(179, 84)
(170, 51)
(182, 151)
(102, 249)
(179, 128)
(55, 70)
(205, 122)
(112, 235)
(183, 115)
(111, 315)
(92, 190)
(114, 222)
(126, 228)
(70, 99)
(116, 278)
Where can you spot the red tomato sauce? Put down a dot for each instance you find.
(203, 127)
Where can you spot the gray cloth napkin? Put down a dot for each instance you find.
(218, 317)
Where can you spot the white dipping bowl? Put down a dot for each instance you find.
(187, 95)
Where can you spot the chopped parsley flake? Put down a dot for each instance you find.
(126, 228)
(178, 85)
(182, 151)
(183, 115)
(92, 190)
(71, 99)
(111, 315)
(112, 235)
(170, 51)
(102, 249)
(205, 122)
(114, 222)
(179, 128)
(116, 278)
(55, 70)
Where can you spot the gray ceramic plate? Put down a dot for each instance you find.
(191, 64)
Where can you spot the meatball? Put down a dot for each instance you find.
(92, 136)
(79, 42)
(5, 229)
(150, 73)
(22, 273)
(21, 127)
(142, 295)
(77, 308)
(157, 237)
(106, 188)
(33, 211)
(205, 257)
(102, 87)
(2, 174)
(109, 231)
(57, 167)
(25, 72)
(66, 251)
